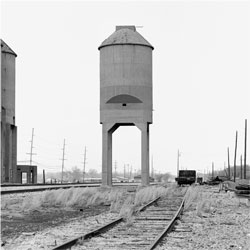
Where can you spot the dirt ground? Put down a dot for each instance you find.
(15, 221)
(49, 218)
(12, 226)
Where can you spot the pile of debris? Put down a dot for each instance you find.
(216, 180)
(243, 189)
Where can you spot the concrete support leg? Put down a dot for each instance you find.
(144, 153)
(28, 177)
(107, 131)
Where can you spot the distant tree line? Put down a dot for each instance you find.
(73, 175)
(76, 175)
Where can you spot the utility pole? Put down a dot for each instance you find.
(31, 147)
(152, 167)
(124, 169)
(235, 152)
(63, 159)
(212, 170)
(115, 168)
(84, 164)
(43, 176)
(228, 164)
(245, 151)
(178, 162)
(241, 174)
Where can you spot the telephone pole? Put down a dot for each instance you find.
(212, 170)
(84, 164)
(245, 151)
(115, 168)
(152, 167)
(228, 164)
(235, 152)
(124, 170)
(241, 174)
(178, 162)
(43, 176)
(31, 147)
(63, 159)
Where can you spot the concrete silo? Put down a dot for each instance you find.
(8, 128)
(125, 93)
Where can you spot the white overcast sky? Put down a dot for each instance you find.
(201, 89)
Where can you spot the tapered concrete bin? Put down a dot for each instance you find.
(8, 123)
(125, 93)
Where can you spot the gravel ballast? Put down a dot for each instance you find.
(214, 220)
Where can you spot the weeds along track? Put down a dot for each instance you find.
(143, 230)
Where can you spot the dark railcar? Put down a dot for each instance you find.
(186, 177)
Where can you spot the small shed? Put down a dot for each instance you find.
(26, 174)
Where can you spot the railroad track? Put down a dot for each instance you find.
(38, 188)
(148, 227)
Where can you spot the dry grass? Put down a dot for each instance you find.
(121, 202)
(73, 197)
(127, 209)
(191, 195)
(146, 194)
(204, 206)
(203, 201)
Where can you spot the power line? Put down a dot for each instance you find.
(49, 141)
(47, 165)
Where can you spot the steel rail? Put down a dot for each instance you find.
(169, 227)
(100, 230)
(58, 186)
(47, 184)
(142, 208)
(13, 191)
